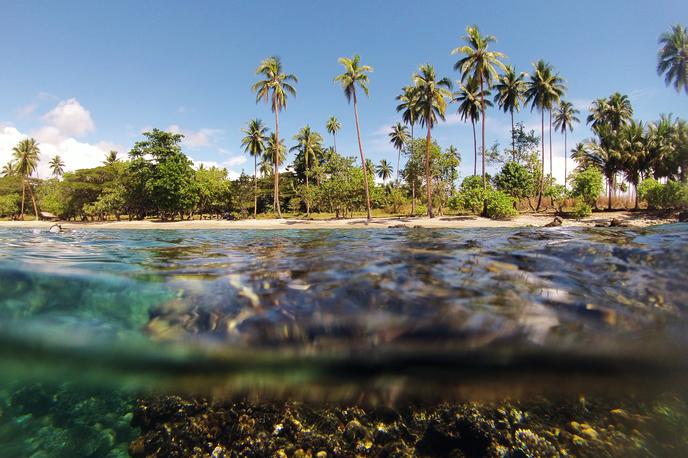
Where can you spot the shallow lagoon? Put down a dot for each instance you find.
(96, 325)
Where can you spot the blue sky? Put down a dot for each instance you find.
(84, 77)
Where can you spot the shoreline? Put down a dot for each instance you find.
(632, 219)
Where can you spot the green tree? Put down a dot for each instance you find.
(333, 126)
(274, 89)
(26, 155)
(254, 144)
(564, 118)
(398, 137)
(213, 189)
(603, 155)
(432, 105)
(672, 58)
(470, 99)
(516, 180)
(408, 107)
(354, 75)
(111, 158)
(384, 170)
(510, 95)
(57, 166)
(8, 169)
(481, 65)
(586, 184)
(634, 153)
(309, 147)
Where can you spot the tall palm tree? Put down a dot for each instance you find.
(8, 169)
(398, 137)
(57, 166)
(26, 155)
(564, 117)
(470, 101)
(111, 158)
(603, 154)
(433, 94)
(354, 75)
(618, 111)
(254, 144)
(672, 58)
(274, 89)
(509, 95)
(634, 153)
(310, 146)
(384, 170)
(481, 65)
(333, 126)
(274, 154)
(542, 93)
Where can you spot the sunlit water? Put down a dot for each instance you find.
(89, 319)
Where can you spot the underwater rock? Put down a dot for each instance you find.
(555, 222)
(616, 222)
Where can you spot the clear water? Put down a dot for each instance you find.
(388, 314)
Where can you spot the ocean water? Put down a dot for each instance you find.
(96, 323)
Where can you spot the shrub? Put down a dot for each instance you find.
(516, 180)
(647, 187)
(471, 195)
(558, 194)
(587, 185)
(581, 210)
(500, 205)
(9, 204)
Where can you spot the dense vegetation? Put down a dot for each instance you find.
(158, 180)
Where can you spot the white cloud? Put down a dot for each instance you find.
(70, 118)
(196, 139)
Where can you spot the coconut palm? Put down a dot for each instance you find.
(57, 166)
(274, 89)
(633, 144)
(542, 92)
(481, 65)
(672, 58)
(333, 126)
(111, 158)
(8, 169)
(384, 170)
(564, 117)
(603, 154)
(254, 144)
(407, 107)
(432, 94)
(398, 137)
(509, 95)
(354, 75)
(26, 155)
(470, 100)
(310, 146)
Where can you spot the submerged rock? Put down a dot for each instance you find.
(555, 222)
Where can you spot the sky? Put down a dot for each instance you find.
(85, 77)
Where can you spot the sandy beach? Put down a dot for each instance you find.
(638, 219)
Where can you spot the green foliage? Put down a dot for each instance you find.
(587, 185)
(499, 205)
(581, 210)
(213, 189)
(9, 204)
(516, 180)
(671, 195)
(648, 186)
(471, 195)
(558, 194)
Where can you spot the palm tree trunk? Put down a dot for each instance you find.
(21, 215)
(566, 158)
(513, 133)
(482, 110)
(610, 186)
(363, 164)
(635, 188)
(550, 142)
(475, 151)
(334, 139)
(255, 186)
(308, 206)
(398, 163)
(277, 154)
(33, 199)
(413, 197)
(428, 183)
(542, 164)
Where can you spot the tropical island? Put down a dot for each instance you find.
(628, 164)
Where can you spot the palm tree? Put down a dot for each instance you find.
(8, 169)
(510, 89)
(111, 158)
(470, 100)
(634, 153)
(57, 166)
(333, 126)
(407, 107)
(481, 65)
(254, 144)
(618, 111)
(398, 137)
(542, 92)
(273, 154)
(432, 104)
(603, 154)
(384, 170)
(672, 58)
(26, 156)
(274, 89)
(310, 146)
(354, 75)
(564, 117)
